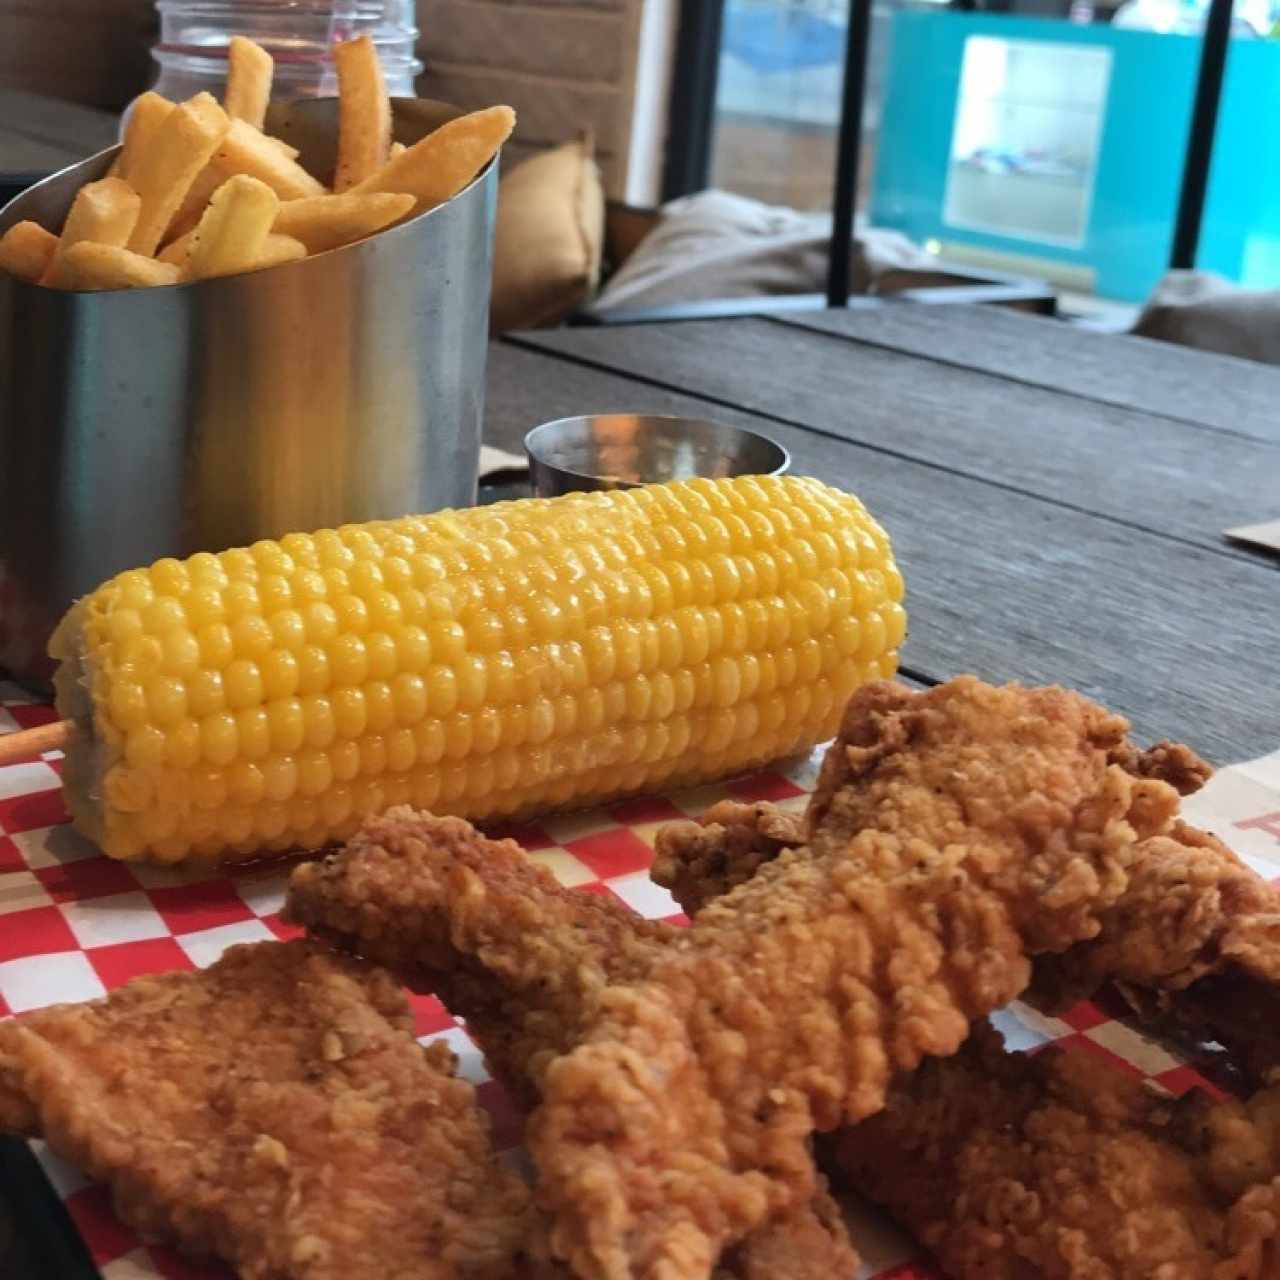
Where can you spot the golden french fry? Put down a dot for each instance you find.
(281, 145)
(194, 203)
(396, 149)
(249, 70)
(105, 212)
(364, 113)
(278, 250)
(325, 222)
(438, 166)
(26, 250)
(146, 116)
(233, 230)
(184, 143)
(177, 251)
(108, 266)
(244, 149)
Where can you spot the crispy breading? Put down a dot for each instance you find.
(955, 834)
(698, 861)
(1061, 1166)
(275, 1111)
(1194, 942)
(525, 962)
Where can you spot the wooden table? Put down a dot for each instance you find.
(1057, 498)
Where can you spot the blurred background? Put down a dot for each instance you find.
(1035, 139)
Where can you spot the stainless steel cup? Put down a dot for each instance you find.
(623, 450)
(144, 423)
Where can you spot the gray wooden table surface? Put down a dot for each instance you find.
(40, 135)
(1057, 498)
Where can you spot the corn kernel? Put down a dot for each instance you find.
(166, 700)
(373, 754)
(279, 777)
(314, 675)
(380, 653)
(288, 630)
(128, 706)
(182, 743)
(251, 637)
(350, 714)
(319, 727)
(219, 738)
(203, 606)
(380, 706)
(315, 773)
(243, 684)
(246, 783)
(288, 728)
(144, 747)
(344, 760)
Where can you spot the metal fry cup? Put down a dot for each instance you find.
(344, 387)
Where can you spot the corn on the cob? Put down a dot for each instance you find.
(523, 656)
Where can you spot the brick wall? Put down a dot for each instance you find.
(90, 51)
(563, 66)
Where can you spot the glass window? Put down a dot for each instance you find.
(1024, 146)
(1046, 139)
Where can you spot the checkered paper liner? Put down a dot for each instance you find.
(75, 925)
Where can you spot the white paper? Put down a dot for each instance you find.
(1240, 805)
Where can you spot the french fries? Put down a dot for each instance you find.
(249, 71)
(108, 266)
(146, 116)
(325, 222)
(199, 190)
(183, 145)
(436, 168)
(178, 251)
(104, 212)
(364, 113)
(233, 230)
(278, 250)
(244, 149)
(26, 250)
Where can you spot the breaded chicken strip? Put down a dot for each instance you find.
(956, 833)
(274, 1111)
(525, 962)
(1059, 1166)
(1193, 942)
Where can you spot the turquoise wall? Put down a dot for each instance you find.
(1144, 133)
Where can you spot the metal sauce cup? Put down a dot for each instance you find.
(344, 387)
(624, 450)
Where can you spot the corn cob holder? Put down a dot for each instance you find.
(521, 657)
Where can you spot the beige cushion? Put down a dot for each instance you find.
(546, 250)
(719, 245)
(1204, 310)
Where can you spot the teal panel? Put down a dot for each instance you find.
(1240, 234)
(1139, 163)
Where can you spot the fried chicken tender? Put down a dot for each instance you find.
(525, 962)
(955, 834)
(274, 1111)
(1194, 941)
(1059, 1166)
(699, 861)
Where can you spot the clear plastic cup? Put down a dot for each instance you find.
(192, 49)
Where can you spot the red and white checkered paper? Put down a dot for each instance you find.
(75, 924)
